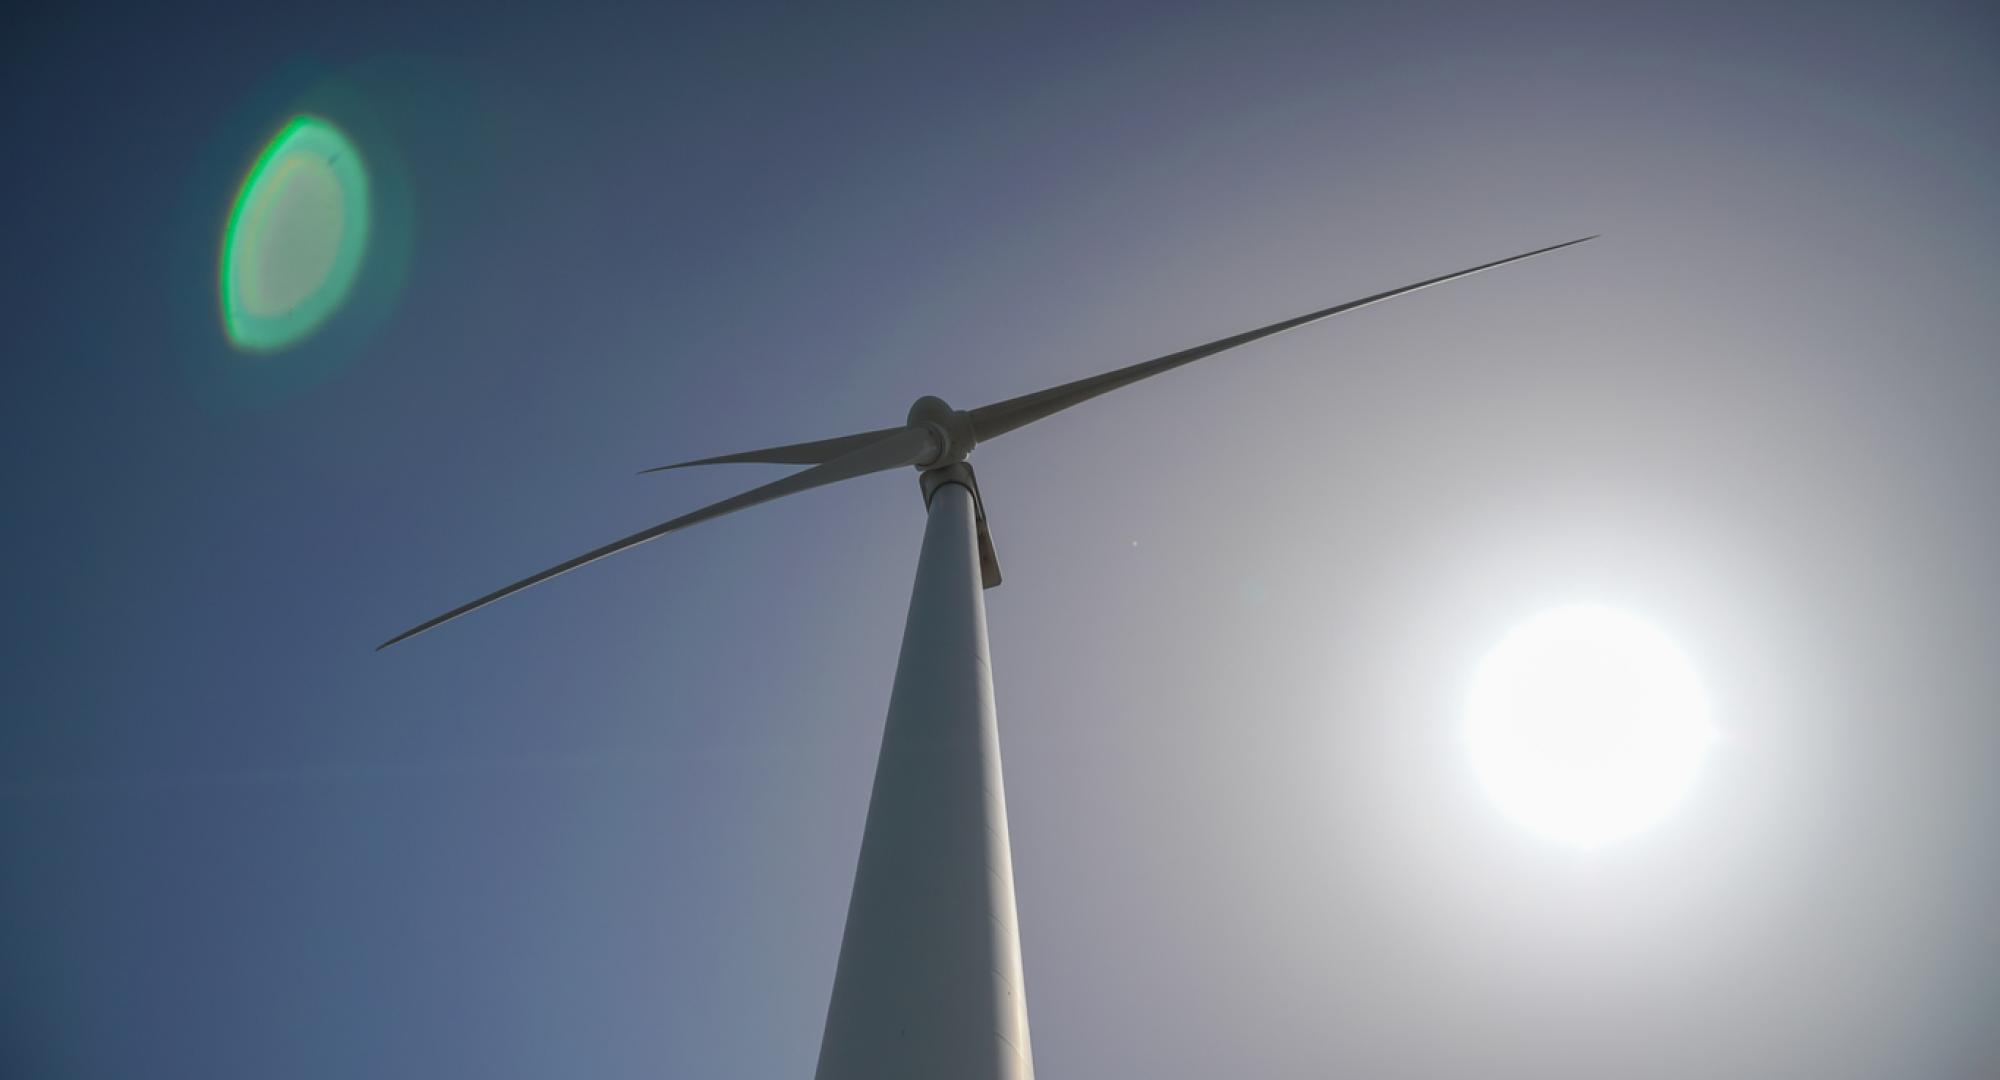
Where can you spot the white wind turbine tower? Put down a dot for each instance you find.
(929, 979)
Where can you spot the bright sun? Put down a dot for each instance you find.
(1586, 724)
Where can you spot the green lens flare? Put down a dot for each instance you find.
(295, 238)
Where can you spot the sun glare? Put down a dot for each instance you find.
(1586, 725)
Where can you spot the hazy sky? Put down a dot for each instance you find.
(607, 829)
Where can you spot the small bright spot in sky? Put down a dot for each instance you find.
(1586, 724)
(295, 238)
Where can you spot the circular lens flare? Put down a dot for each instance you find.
(295, 238)
(1586, 725)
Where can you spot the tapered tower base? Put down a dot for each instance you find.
(929, 980)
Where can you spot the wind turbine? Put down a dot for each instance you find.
(928, 984)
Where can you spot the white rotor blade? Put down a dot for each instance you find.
(805, 453)
(897, 447)
(999, 418)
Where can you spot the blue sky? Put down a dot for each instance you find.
(608, 827)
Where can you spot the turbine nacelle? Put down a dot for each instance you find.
(950, 430)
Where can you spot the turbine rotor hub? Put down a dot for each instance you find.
(950, 429)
